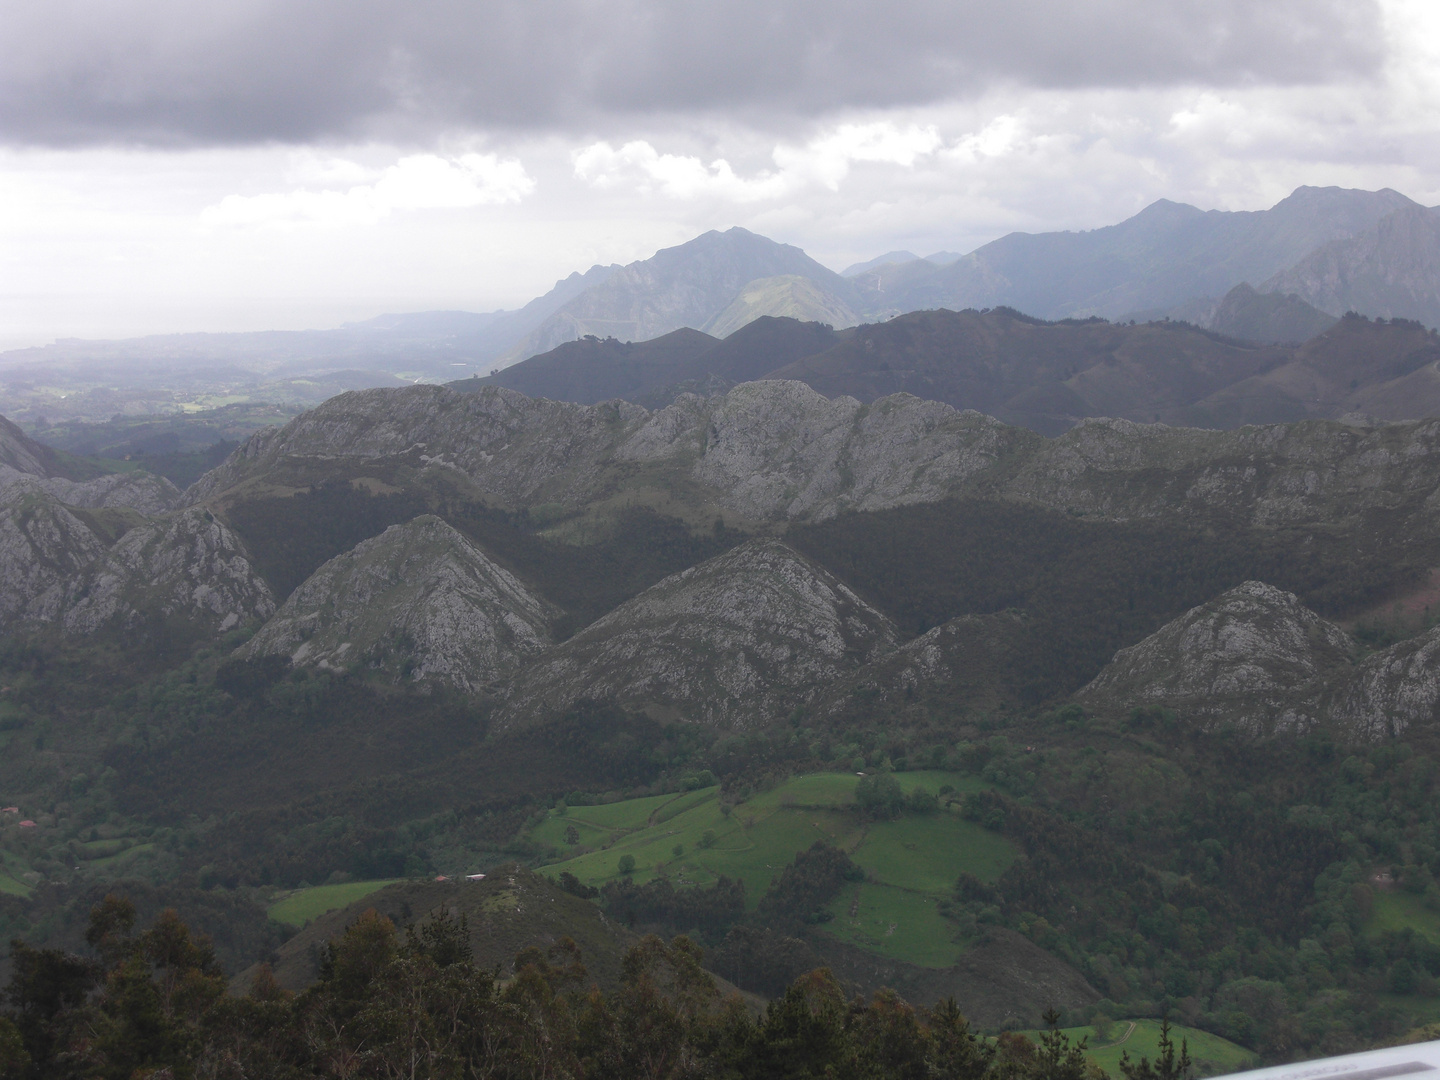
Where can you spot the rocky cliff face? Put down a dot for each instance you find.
(768, 450)
(1391, 691)
(42, 545)
(738, 640)
(18, 452)
(55, 531)
(1320, 472)
(420, 602)
(188, 566)
(778, 451)
(1254, 656)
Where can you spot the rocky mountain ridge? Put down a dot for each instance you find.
(687, 285)
(774, 452)
(1163, 256)
(428, 604)
(737, 641)
(1256, 659)
(1034, 374)
(420, 602)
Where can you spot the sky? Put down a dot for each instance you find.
(169, 166)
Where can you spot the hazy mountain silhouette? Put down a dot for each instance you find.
(1166, 254)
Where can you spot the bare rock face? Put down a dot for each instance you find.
(736, 641)
(513, 448)
(19, 453)
(1274, 476)
(1392, 690)
(1254, 656)
(145, 492)
(767, 450)
(42, 545)
(779, 449)
(1388, 270)
(419, 600)
(189, 566)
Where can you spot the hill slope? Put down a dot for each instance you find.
(736, 641)
(653, 373)
(419, 601)
(787, 296)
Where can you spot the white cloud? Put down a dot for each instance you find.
(824, 161)
(417, 182)
(676, 176)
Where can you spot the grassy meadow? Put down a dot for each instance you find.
(911, 863)
(1213, 1056)
(303, 905)
(1399, 910)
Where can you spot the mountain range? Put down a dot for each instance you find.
(1332, 249)
(1045, 376)
(1145, 712)
(411, 631)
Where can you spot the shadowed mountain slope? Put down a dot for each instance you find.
(593, 369)
(1267, 316)
(1047, 376)
(512, 909)
(654, 372)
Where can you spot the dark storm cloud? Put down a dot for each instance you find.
(180, 72)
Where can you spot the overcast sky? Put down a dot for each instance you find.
(172, 165)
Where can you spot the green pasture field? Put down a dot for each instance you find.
(1403, 911)
(1212, 1055)
(899, 923)
(927, 853)
(13, 886)
(912, 862)
(110, 862)
(301, 906)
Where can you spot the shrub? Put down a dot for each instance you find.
(879, 795)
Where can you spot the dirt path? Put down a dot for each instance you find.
(1128, 1032)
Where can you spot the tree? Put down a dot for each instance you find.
(627, 864)
(879, 795)
(1055, 1058)
(1166, 1066)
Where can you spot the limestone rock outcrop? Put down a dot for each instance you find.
(188, 565)
(419, 601)
(740, 639)
(1393, 690)
(1254, 657)
(43, 544)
